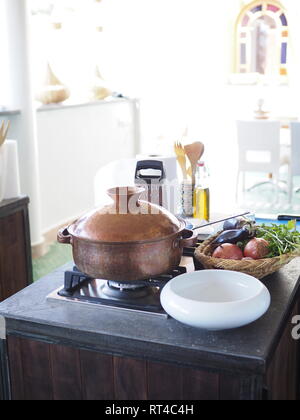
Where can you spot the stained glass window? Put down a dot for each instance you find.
(243, 54)
(283, 20)
(273, 8)
(283, 53)
(245, 20)
(262, 38)
(256, 9)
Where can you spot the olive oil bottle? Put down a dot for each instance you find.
(201, 193)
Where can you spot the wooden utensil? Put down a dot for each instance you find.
(194, 152)
(181, 158)
(3, 132)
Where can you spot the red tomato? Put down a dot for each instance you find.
(228, 252)
(257, 248)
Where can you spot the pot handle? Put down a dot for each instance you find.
(190, 239)
(64, 237)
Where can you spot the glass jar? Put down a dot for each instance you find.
(186, 198)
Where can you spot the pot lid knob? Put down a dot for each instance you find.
(126, 199)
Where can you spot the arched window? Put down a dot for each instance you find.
(262, 39)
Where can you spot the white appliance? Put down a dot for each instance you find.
(122, 173)
(158, 175)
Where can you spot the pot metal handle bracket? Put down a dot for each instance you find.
(189, 239)
(64, 237)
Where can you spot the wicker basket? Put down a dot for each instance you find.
(256, 268)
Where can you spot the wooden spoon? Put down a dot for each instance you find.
(181, 158)
(3, 132)
(194, 152)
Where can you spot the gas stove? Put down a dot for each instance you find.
(142, 296)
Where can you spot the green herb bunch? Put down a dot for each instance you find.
(282, 239)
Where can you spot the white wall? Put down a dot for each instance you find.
(73, 144)
(177, 56)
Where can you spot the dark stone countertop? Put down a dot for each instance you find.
(248, 349)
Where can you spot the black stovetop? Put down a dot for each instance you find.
(143, 296)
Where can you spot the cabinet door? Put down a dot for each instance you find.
(14, 259)
(283, 376)
(67, 373)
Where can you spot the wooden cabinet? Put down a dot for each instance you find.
(65, 373)
(15, 248)
(40, 371)
(283, 375)
(55, 352)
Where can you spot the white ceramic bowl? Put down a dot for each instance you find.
(215, 299)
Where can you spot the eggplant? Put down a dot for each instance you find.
(233, 236)
(235, 223)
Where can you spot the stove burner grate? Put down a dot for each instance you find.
(74, 280)
(125, 291)
(142, 296)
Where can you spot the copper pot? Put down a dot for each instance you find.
(129, 240)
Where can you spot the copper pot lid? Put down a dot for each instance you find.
(127, 219)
